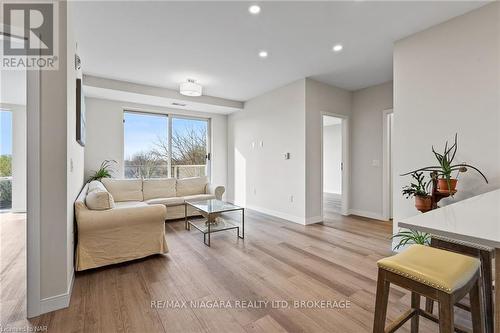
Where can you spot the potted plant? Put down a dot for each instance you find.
(446, 167)
(419, 190)
(407, 237)
(104, 171)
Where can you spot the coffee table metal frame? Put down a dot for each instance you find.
(210, 217)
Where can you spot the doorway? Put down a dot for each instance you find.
(13, 193)
(334, 156)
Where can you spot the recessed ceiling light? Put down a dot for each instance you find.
(263, 54)
(254, 9)
(337, 47)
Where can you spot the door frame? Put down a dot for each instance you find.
(33, 205)
(345, 162)
(387, 177)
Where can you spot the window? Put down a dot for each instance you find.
(5, 159)
(149, 139)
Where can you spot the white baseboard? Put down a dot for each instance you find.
(288, 217)
(314, 219)
(57, 302)
(367, 214)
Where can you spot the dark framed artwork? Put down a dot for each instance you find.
(80, 114)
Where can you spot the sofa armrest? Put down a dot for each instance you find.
(93, 220)
(216, 190)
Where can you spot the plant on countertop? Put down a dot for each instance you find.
(420, 190)
(407, 237)
(446, 183)
(104, 171)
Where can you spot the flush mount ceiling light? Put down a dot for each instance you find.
(337, 47)
(254, 9)
(263, 54)
(190, 88)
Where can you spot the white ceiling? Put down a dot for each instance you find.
(163, 43)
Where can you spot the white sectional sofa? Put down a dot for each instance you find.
(125, 220)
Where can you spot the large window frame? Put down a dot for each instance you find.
(170, 118)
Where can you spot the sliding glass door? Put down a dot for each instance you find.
(189, 147)
(158, 145)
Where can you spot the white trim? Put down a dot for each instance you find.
(33, 194)
(288, 217)
(386, 170)
(365, 213)
(57, 302)
(314, 219)
(345, 162)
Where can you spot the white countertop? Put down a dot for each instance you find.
(476, 220)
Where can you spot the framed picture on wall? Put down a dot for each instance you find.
(80, 114)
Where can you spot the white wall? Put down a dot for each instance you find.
(75, 152)
(332, 159)
(320, 98)
(59, 183)
(366, 148)
(259, 177)
(446, 81)
(105, 135)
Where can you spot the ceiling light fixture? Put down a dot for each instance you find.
(337, 47)
(263, 54)
(190, 88)
(254, 9)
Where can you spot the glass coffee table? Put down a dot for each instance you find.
(216, 217)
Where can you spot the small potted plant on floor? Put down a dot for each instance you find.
(420, 190)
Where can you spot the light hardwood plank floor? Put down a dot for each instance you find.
(278, 261)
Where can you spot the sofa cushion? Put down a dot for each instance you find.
(198, 197)
(124, 189)
(158, 188)
(96, 185)
(99, 200)
(175, 201)
(190, 186)
(129, 204)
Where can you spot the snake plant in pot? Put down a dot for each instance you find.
(446, 168)
(419, 188)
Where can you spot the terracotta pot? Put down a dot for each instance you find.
(423, 204)
(443, 185)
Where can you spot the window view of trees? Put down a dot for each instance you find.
(187, 158)
(5, 181)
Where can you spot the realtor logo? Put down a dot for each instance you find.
(31, 30)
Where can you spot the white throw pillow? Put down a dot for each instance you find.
(96, 185)
(98, 198)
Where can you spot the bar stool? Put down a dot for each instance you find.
(443, 276)
(485, 256)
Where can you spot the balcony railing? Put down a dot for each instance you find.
(161, 171)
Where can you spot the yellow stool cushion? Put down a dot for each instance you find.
(440, 269)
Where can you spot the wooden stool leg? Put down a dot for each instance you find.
(476, 308)
(487, 284)
(446, 315)
(381, 301)
(429, 305)
(415, 304)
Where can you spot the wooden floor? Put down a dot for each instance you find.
(277, 261)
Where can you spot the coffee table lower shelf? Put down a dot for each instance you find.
(216, 221)
(221, 224)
